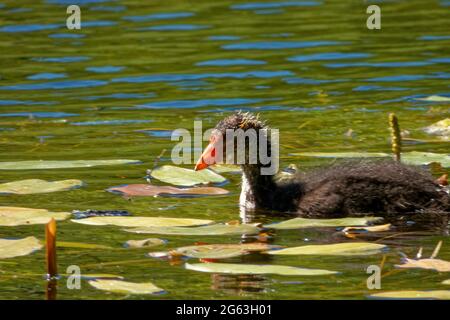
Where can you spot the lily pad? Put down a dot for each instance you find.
(435, 98)
(61, 164)
(446, 281)
(423, 158)
(16, 216)
(337, 249)
(141, 221)
(21, 247)
(185, 177)
(221, 251)
(151, 190)
(118, 286)
(341, 154)
(432, 294)
(413, 157)
(31, 186)
(231, 268)
(150, 242)
(440, 128)
(298, 223)
(430, 264)
(211, 230)
(226, 168)
(379, 228)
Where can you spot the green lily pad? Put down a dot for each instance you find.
(298, 223)
(220, 251)
(61, 164)
(226, 168)
(211, 230)
(440, 128)
(131, 190)
(430, 264)
(337, 249)
(31, 186)
(231, 268)
(141, 221)
(16, 216)
(411, 294)
(421, 158)
(435, 98)
(118, 286)
(145, 243)
(341, 154)
(185, 177)
(413, 157)
(21, 247)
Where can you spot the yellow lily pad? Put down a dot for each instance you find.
(185, 177)
(221, 251)
(31, 186)
(16, 216)
(141, 221)
(61, 164)
(298, 223)
(211, 230)
(231, 268)
(119, 286)
(411, 294)
(337, 249)
(21, 247)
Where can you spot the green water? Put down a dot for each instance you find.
(314, 103)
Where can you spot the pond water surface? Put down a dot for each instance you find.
(138, 69)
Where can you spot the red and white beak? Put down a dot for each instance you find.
(208, 156)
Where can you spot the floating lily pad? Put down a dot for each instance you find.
(341, 154)
(211, 230)
(118, 286)
(221, 251)
(432, 294)
(440, 128)
(185, 177)
(298, 223)
(94, 276)
(151, 190)
(141, 221)
(16, 216)
(446, 281)
(61, 164)
(430, 264)
(337, 249)
(231, 268)
(150, 242)
(421, 158)
(31, 186)
(435, 98)
(226, 168)
(379, 228)
(21, 247)
(413, 157)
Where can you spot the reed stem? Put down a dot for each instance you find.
(50, 243)
(396, 138)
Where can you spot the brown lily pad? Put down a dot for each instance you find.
(147, 190)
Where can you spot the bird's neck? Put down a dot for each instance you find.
(257, 190)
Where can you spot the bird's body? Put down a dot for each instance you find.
(345, 189)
